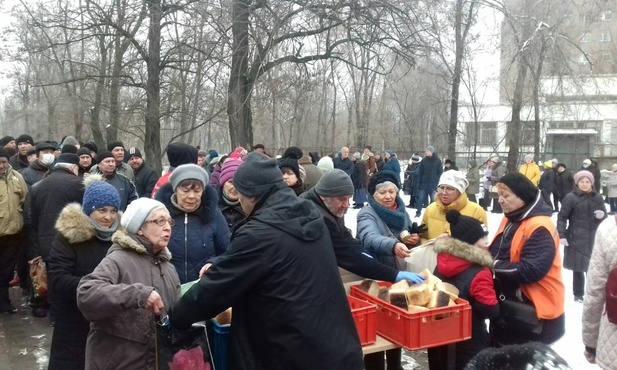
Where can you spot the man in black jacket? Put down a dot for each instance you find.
(19, 161)
(108, 169)
(280, 277)
(44, 159)
(145, 176)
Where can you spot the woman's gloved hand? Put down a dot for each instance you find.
(564, 242)
(411, 277)
(599, 214)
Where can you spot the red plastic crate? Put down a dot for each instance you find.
(364, 315)
(419, 330)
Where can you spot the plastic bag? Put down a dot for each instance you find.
(38, 275)
(174, 347)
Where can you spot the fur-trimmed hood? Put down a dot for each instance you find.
(122, 240)
(455, 256)
(73, 224)
(206, 211)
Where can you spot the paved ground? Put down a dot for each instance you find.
(25, 341)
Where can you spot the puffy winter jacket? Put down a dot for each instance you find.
(429, 172)
(13, 191)
(435, 215)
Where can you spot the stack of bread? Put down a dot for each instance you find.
(224, 318)
(432, 293)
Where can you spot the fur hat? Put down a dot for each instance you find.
(334, 183)
(228, 170)
(293, 152)
(137, 212)
(583, 175)
(382, 177)
(188, 172)
(256, 175)
(465, 228)
(455, 179)
(98, 194)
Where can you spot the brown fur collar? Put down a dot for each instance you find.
(464, 251)
(73, 224)
(123, 240)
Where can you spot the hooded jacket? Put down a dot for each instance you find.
(75, 252)
(280, 277)
(13, 191)
(113, 297)
(598, 332)
(577, 213)
(34, 173)
(429, 172)
(435, 215)
(469, 269)
(197, 236)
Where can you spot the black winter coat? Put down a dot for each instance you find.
(34, 173)
(280, 277)
(348, 249)
(233, 213)
(46, 201)
(125, 187)
(345, 164)
(564, 183)
(358, 178)
(577, 212)
(75, 252)
(145, 179)
(429, 172)
(19, 163)
(547, 181)
(411, 182)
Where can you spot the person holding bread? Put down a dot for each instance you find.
(386, 233)
(463, 260)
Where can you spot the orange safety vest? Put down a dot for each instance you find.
(548, 294)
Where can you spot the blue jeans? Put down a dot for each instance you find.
(422, 195)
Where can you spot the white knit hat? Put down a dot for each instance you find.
(455, 179)
(137, 212)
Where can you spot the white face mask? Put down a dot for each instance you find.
(48, 159)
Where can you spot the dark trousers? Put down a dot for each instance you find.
(546, 197)
(578, 283)
(422, 197)
(613, 203)
(557, 201)
(472, 197)
(375, 361)
(9, 247)
(496, 206)
(22, 264)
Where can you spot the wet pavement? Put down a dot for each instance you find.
(24, 340)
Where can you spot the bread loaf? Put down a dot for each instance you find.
(413, 308)
(438, 299)
(452, 290)
(224, 318)
(403, 284)
(431, 279)
(370, 286)
(418, 294)
(384, 294)
(397, 297)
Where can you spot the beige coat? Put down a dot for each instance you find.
(13, 190)
(598, 332)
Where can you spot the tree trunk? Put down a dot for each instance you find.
(95, 112)
(515, 123)
(153, 124)
(239, 99)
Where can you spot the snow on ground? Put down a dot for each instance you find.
(570, 346)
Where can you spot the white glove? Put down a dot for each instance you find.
(564, 242)
(599, 214)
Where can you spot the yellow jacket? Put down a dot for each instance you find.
(435, 216)
(531, 171)
(13, 190)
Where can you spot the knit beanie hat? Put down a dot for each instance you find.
(390, 152)
(382, 177)
(455, 179)
(92, 146)
(238, 153)
(99, 194)
(4, 153)
(5, 140)
(25, 138)
(70, 158)
(465, 228)
(69, 140)
(548, 164)
(69, 148)
(430, 148)
(583, 175)
(292, 164)
(181, 153)
(84, 151)
(256, 175)
(44, 146)
(293, 152)
(325, 164)
(228, 170)
(334, 183)
(114, 144)
(188, 172)
(520, 185)
(137, 212)
(532, 355)
(103, 155)
(134, 152)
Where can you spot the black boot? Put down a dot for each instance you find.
(5, 302)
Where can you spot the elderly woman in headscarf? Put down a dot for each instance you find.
(527, 263)
(127, 292)
(582, 211)
(83, 238)
(200, 231)
(387, 233)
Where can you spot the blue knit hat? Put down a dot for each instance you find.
(99, 194)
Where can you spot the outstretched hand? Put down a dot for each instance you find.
(411, 277)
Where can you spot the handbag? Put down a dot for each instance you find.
(517, 317)
(38, 275)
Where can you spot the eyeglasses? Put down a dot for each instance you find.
(445, 190)
(163, 221)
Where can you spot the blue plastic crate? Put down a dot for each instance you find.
(220, 344)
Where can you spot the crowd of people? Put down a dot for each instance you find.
(267, 236)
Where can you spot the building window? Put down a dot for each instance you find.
(605, 37)
(528, 133)
(582, 59)
(487, 133)
(586, 37)
(606, 56)
(585, 18)
(607, 15)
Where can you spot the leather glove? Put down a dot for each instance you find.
(599, 214)
(411, 277)
(564, 242)
(590, 355)
(415, 229)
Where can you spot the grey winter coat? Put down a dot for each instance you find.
(577, 212)
(313, 174)
(122, 333)
(612, 185)
(598, 332)
(473, 176)
(497, 173)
